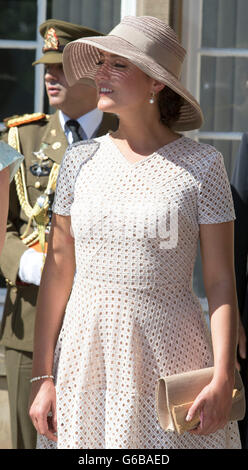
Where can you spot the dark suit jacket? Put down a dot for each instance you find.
(19, 310)
(239, 185)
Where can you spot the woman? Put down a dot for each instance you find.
(10, 160)
(131, 315)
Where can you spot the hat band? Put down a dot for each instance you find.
(57, 49)
(158, 52)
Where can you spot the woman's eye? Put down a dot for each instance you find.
(122, 66)
(116, 64)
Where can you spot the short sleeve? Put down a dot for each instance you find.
(64, 193)
(75, 156)
(215, 204)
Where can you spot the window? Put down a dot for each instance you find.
(20, 83)
(215, 36)
(101, 15)
(216, 73)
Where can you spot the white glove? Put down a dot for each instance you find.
(30, 268)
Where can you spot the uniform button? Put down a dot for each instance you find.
(56, 145)
(37, 184)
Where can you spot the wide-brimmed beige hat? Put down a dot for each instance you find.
(148, 43)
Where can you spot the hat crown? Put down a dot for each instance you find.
(157, 31)
(154, 38)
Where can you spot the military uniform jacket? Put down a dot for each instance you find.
(19, 311)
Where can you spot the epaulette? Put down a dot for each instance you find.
(24, 119)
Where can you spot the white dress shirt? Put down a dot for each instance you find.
(89, 123)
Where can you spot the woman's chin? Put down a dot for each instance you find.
(105, 104)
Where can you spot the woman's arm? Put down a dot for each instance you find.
(214, 401)
(54, 291)
(4, 206)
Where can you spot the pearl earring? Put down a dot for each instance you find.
(152, 98)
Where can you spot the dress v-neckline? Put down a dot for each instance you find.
(145, 159)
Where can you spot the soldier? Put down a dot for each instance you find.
(42, 140)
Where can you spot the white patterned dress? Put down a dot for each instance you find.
(132, 315)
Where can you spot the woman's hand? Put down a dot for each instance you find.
(213, 404)
(42, 409)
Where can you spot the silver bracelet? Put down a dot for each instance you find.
(34, 379)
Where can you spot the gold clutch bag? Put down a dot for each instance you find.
(176, 393)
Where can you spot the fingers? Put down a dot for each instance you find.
(52, 429)
(43, 409)
(45, 423)
(45, 426)
(196, 410)
(210, 419)
(54, 418)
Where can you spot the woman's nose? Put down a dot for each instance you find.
(103, 71)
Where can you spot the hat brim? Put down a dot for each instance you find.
(51, 57)
(81, 56)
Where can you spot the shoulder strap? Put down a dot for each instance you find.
(38, 212)
(25, 119)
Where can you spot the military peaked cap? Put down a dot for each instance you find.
(57, 34)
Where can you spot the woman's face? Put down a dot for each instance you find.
(121, 85)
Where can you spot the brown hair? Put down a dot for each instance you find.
(170, 104)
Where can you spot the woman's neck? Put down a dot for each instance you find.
(143, 137)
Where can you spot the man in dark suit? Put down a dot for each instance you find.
(239, 185)
(42, 139)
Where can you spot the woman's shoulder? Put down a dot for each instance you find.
(199, 155)
(84, 146)
(9, 157)
(81, 152)
(201, 149)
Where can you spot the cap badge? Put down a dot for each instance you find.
(40, 154)
(51, 41)
(43, 166)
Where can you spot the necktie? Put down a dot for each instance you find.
(75, 129)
